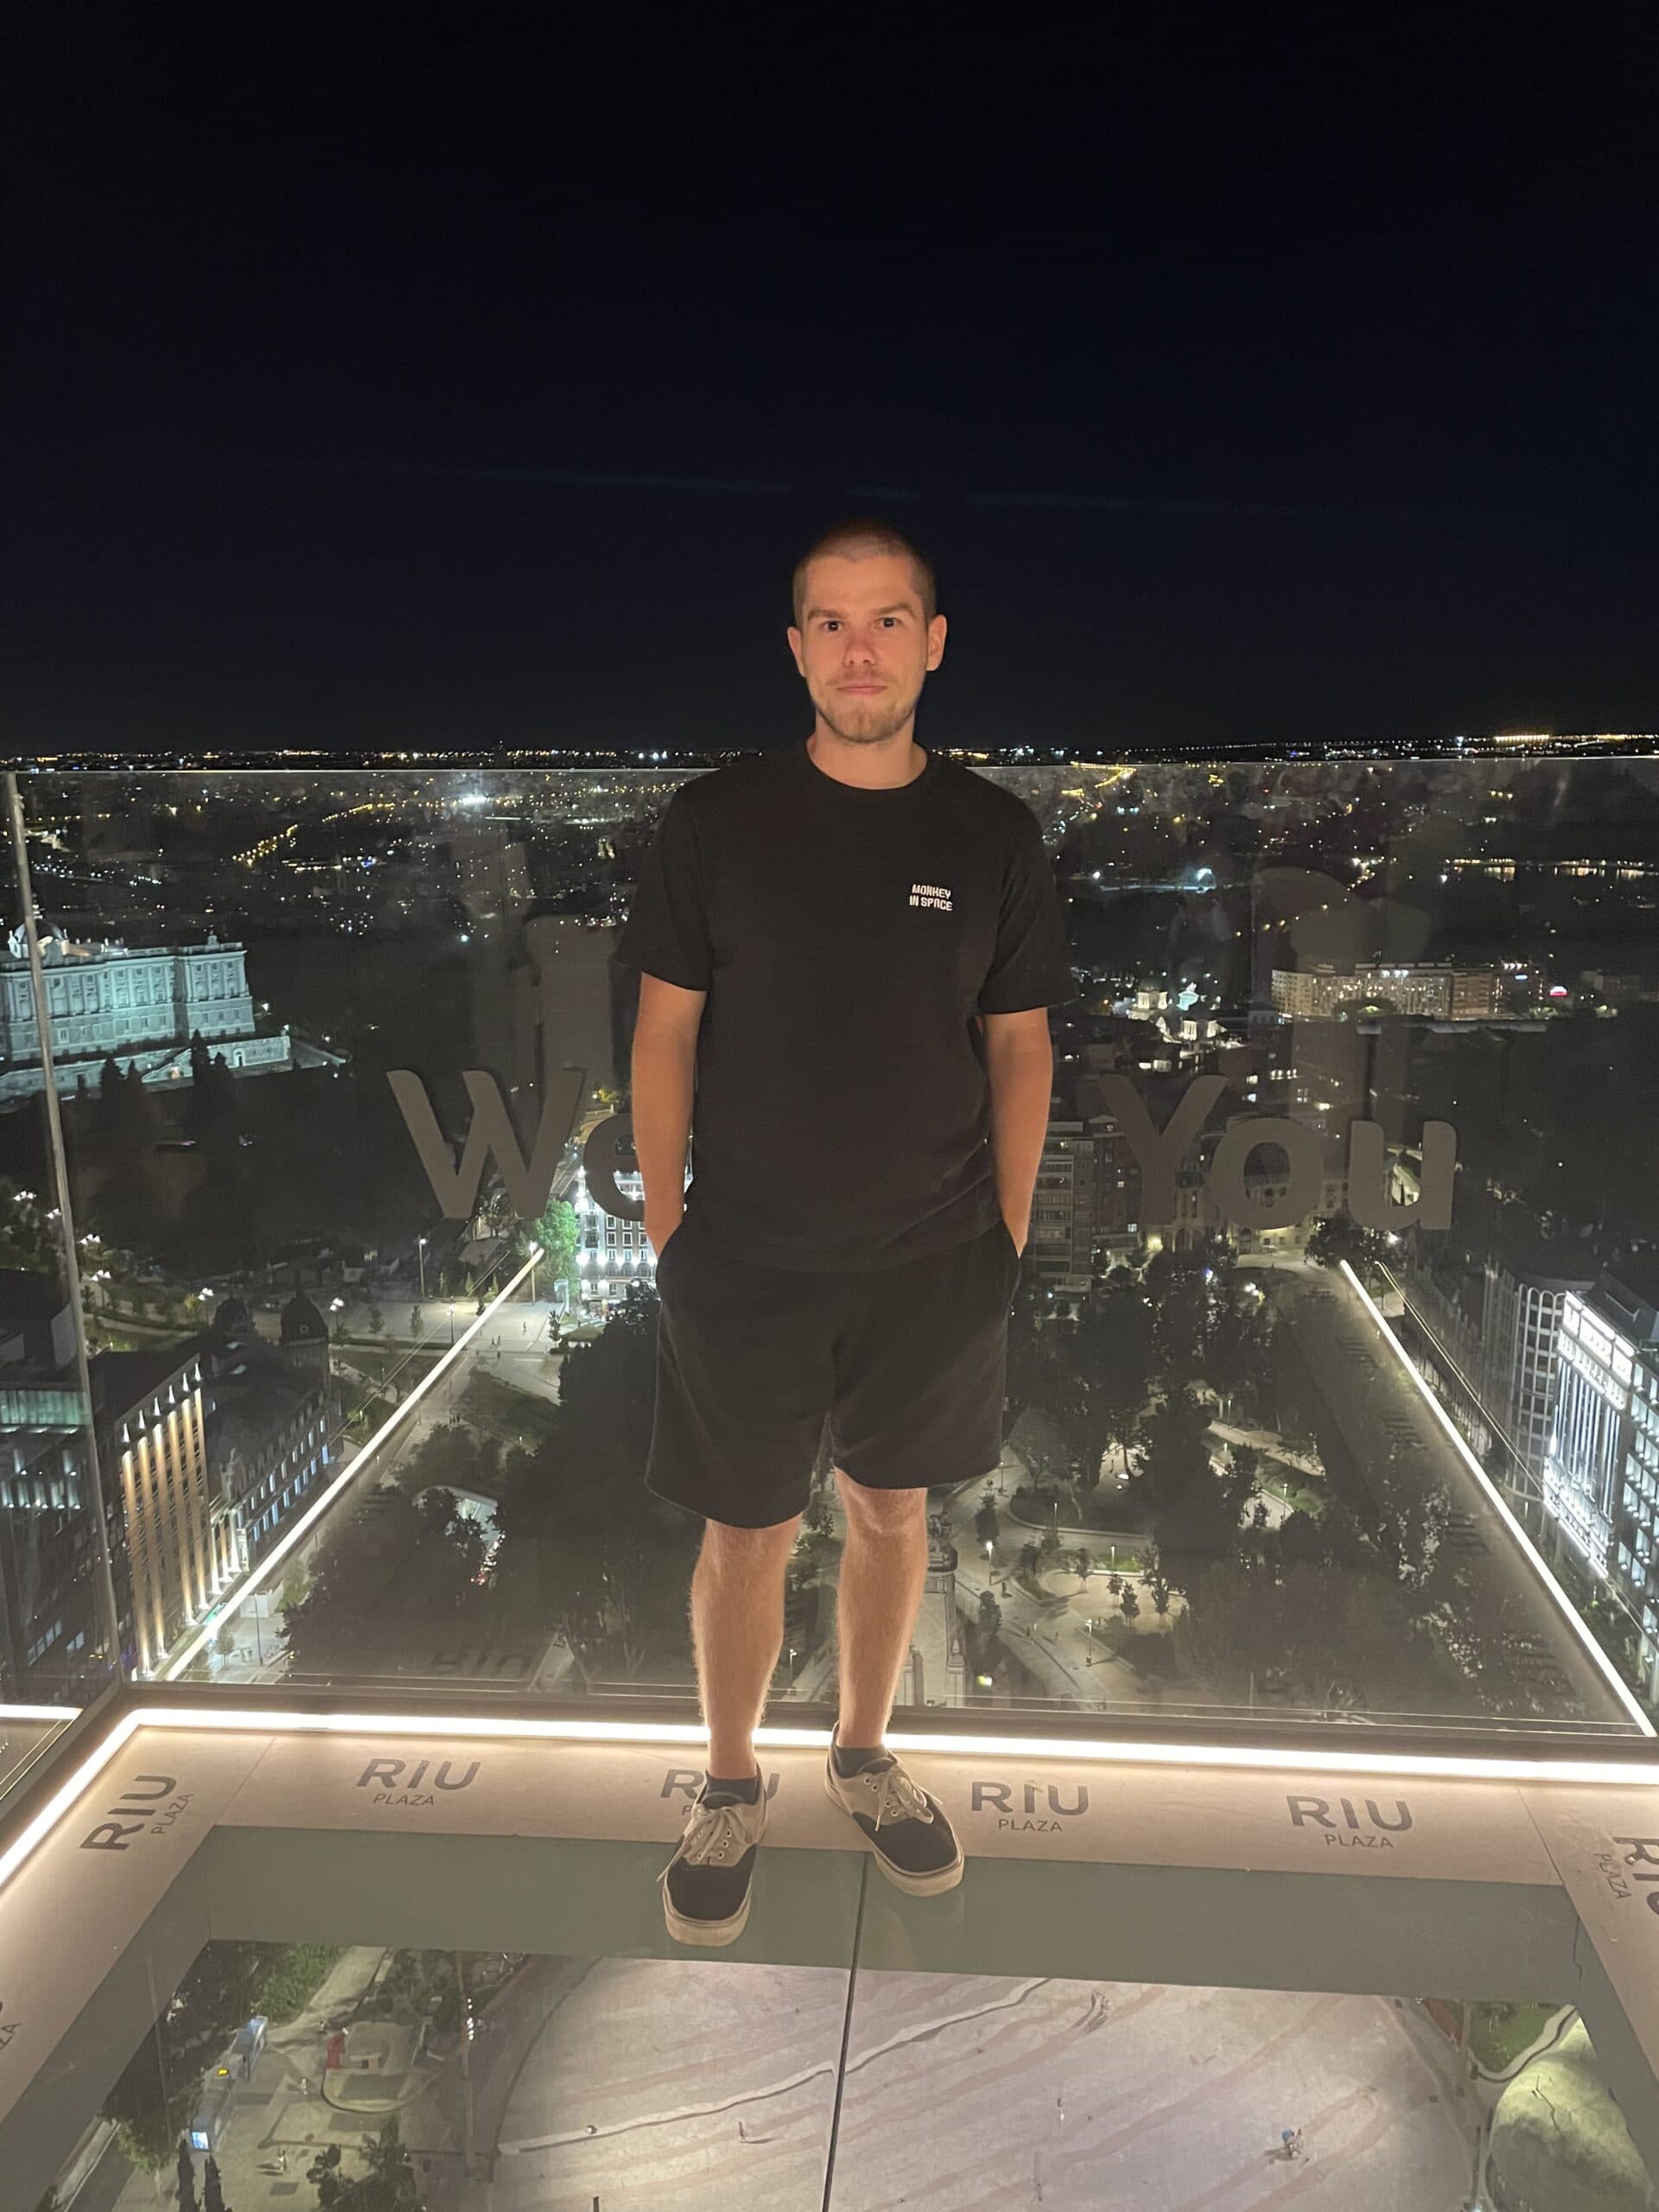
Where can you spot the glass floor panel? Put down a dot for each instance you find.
(26, 1732)
(500, 2083)
(373, 1961)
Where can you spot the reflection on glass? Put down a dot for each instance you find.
(60, 1631)
(1333, 1385)
(380, 2079)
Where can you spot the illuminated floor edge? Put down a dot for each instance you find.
(1122, 1863)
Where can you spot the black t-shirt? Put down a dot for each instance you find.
(846, 939)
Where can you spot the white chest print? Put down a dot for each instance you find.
(932, 894)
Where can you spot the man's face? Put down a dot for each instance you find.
(863, 646)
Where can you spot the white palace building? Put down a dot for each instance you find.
(138, 1005)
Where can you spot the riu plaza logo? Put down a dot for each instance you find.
(1637, 1875)
(456, 1172)
(150, 1804)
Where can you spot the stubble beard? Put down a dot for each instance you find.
(865, 722)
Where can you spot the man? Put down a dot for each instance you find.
(848, 947)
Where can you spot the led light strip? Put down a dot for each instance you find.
(64, 1713)
(689, 1735)
(1107, 1751)
(348, 1474)
(58, 1804)
(1569, 1612)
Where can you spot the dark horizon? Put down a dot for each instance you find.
(373, 400)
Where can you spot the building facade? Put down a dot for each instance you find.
(50, 1641)
(1437, 992)
(53, 1638)
(139, 1006)
(1519, 1348)
(1601, 1468)
(176, 1551)
(272, 1422)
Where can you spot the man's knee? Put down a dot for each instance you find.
(881, 1509)
(746, 1549)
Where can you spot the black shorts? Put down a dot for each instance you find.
(908, 1365)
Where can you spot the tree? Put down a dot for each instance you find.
(615, 1583)
(377, 1322)
(126, 1209)
(1130, 1604)
(1157, 1585)
(990, 1615)
(1193, 1512)
(987, 1521)
(1040, 1441)
(213, 2199)
(558, 1232)
(1115, 1351)
(155, 2096)
(1340, 1238)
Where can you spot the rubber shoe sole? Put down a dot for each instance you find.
(917, 1885)
(707, 1934)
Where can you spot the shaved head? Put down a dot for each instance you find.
(859, 540)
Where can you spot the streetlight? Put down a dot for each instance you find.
(419, 1254)
(452, 1325)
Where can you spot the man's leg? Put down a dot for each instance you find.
(883, 1571)
(737, 1631)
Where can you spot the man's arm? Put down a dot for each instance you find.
(1019, 1063)
(664, 1080)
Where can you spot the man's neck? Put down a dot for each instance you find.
(887, 765)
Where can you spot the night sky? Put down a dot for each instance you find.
(374, 384)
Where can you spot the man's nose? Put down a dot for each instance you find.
(861, 645)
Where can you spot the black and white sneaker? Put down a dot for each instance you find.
(905, 1825)
(706, 1884)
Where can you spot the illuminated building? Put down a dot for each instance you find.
(139, 1006)
(148, 1410)
(1601, 1470)
(1441, 992)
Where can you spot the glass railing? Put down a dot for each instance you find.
(1332, 1379)
(297, 2073)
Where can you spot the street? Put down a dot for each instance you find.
(674, 2084)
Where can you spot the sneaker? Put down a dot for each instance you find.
(706, 1883)
(905, 1824)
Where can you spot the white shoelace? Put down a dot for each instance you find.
(897, 1797)
(715, 1835)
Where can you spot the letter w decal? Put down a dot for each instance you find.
(490, 1134)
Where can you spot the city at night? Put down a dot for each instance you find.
(829, 1043)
